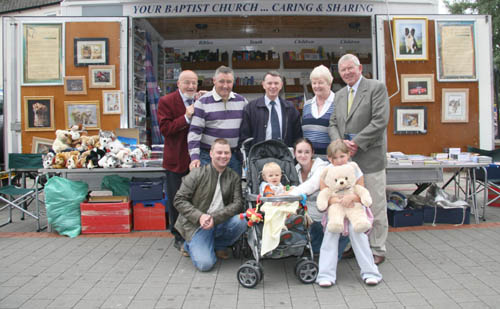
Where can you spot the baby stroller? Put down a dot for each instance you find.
(251, 272)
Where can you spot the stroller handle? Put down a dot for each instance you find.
(284, 198)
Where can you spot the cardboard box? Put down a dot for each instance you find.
(150, 215)
(106, 214)
(449, 216)
(405, 217)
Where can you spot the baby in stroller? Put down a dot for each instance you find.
(298, 243)
(272, 186)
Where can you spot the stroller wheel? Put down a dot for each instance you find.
(258, 266)
(248, 275)
(297, 263)
(307, 271)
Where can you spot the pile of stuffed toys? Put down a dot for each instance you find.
(73, 149)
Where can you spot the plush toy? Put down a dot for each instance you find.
(59, 161)
(93, 158)
(341, 180)
(48, 160)
(89, 142)
(252, 216)
(127, 160)
(106, 137)
(62, 141)
(141, 152)
(115, 146)
(72, 162)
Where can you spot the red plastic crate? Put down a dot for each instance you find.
(109, 217)
(493, 193)
(149, 215)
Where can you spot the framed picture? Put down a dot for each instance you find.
(75, 85)
(455, 50)
(410, 38)
(101, 76)
(42, 68)
(112, 102)
(455, 106)
(89, 51)
(417, 87)
(41, 145)
(86, 113)
(410, 120)
(38, 113)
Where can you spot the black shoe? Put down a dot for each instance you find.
(178, 244)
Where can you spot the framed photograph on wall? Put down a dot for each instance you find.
(42, 54)
(38, 113)
(456, 50)
(417, 87)
(410, 38)
(455, 106)
(101, 76)
(410, 120)
(88, 51)
(112, 102)
(41, 145)
(86, 113)
(75, 85)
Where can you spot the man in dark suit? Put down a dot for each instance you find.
(174, 115)
(271, 117)
(360, 118)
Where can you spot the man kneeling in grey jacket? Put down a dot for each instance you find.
(209, 202)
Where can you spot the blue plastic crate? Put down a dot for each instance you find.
(405, 217)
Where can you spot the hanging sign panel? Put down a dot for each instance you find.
(253, 8)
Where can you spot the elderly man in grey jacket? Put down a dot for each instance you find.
(209, 202)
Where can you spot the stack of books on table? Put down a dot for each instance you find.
(483, 159)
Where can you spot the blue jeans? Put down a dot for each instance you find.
(202, 246)
(234, 163)
(316, 232)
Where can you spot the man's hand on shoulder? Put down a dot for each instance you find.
(353, 147)
(194, 164)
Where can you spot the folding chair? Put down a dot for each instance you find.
(488, 178)
(20, 197)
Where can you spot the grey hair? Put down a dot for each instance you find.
(350, 57)
(321, 72)
(223, 70)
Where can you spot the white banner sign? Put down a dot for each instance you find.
(254, 8)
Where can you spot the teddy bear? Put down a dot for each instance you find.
(62, 141)
(341, 180)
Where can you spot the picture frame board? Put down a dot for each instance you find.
(102, 76)
(411, 38)
(455, 105)
(456, 50)
(112, 102)
(417, 88)
(410, 120)
(41, 145)
(86, 113)
(91, 51)
(39, 113)
(75, 85)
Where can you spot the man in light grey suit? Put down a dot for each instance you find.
(360, 119)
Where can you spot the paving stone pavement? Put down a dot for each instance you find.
(453, 268)
(444, 266)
